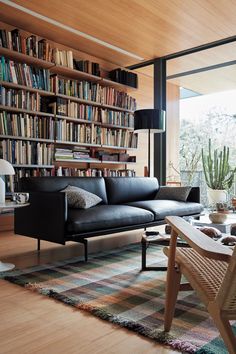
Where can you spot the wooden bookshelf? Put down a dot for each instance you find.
(69, 74)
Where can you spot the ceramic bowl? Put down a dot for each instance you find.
(217, 218)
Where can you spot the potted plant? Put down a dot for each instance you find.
(219, 175)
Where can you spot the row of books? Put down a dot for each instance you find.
(22, 99)
(94, 172)
(112, 97)
(93, 114)
(87, 67)
(116, 118)
(25, 125)
(93, 92)
(124, 77)
(119, 138)
(77, 110)
(26, 152)
(23, 74)
(32, 45)
(81, 89)
(78, 133)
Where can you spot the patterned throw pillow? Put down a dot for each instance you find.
(79, 198)
(173, 193)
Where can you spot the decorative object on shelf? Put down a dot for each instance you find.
(21, 198)
(5, 169)
(222, 208)
(217, 218)
(149, 121)
(218, 173)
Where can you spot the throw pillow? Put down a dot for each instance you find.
(173, 193)
(79, 198)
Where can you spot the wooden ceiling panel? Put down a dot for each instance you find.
(147, 28)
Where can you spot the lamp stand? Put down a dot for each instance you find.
(2, 191)
(149, 155)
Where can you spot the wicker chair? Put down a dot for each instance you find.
(210, 269)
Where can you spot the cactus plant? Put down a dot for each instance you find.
(217, 170)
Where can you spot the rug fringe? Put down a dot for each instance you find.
(159, 336)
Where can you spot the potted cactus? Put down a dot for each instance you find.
(219, 175)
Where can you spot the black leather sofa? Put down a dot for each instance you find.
(127, 203)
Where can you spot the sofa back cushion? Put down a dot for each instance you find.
(95, 185)
(122, 190)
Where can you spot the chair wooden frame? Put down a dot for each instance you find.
(210, 269)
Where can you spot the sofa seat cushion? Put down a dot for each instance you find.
(163, 208)
(103, 217)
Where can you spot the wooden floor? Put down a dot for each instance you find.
(32, 323)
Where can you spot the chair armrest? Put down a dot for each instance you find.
(45, 217)
(203, 244)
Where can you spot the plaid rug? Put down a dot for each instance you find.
(112, 287)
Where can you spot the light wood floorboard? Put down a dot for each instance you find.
(32, 323)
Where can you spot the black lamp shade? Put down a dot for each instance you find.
(149, 119)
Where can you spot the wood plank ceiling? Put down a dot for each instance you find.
(145, 28)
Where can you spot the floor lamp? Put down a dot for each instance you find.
(149, 121)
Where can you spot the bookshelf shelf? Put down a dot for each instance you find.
(63, 142)
(106, 125)
(25, 88)
(117, 147)
(74, 74)
(32, 166)
(15, 137)
(95, 162)
(117, 85)
(24, 58)
(21, 110)
(78, 120)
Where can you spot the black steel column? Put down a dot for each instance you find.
(160, 103)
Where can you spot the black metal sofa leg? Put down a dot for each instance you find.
(85, 242)
(38, 244)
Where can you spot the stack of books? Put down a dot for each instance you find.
(63, 57)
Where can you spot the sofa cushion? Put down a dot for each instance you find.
(104, 217)
(163, 208)
(130, 189)
(79, 198)
(95, 185)
(173, 193)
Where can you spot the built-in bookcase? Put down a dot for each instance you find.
(58, 120)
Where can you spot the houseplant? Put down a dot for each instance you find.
(218, 173)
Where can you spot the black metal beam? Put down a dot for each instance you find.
(206, 68)
(160, 103)
(185, 52)
(200, 48)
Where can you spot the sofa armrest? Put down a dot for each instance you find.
(45, 218)
(194, 195)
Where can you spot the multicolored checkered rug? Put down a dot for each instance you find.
(111, 286)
